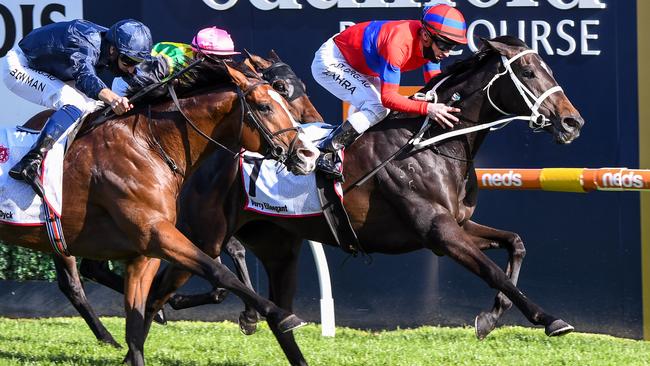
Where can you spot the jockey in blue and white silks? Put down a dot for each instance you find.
(56, 66)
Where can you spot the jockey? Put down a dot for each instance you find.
(56, 66)
(170, 57)
(362, 66)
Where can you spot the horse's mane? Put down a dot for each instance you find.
(206, 74)
(476, 60)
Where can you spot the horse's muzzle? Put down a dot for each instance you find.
(569, 129)
(303, 161)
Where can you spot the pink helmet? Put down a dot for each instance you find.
(214, 41)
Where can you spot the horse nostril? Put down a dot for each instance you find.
(572, 123)
(307, 153)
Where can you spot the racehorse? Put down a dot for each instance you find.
(282, 79)
(422, 199)
(122, 180)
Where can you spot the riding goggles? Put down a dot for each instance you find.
(129, 61)
(444, 45)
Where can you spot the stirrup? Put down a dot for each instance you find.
(28, 170)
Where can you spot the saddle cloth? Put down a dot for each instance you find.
(272, 190)
(19, 205)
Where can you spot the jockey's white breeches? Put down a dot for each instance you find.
(332, 72)
(40, 87)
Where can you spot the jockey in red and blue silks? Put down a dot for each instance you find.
(56, 66)
(363, 64)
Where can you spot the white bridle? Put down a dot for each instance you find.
(537, 120)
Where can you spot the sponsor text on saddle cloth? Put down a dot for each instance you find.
(19, 205)
(272, 190)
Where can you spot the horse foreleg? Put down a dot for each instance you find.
(484, 238)
(140, 273)
(248, 318)
(168, 243)
(165, 285)
(100, 272)
(70, 284)
(446, 236)
(279, 251)
(216, 296)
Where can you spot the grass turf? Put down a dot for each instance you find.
(68, 341)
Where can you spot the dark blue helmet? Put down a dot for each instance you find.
(131, 38)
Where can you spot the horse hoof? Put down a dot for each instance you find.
(247, 325)
(484, 323)
(219, 295)
(290, 323)
(127, 358)
(176, 302)
(558, 327)
(160, 317)
(111, 342)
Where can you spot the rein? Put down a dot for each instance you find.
(172, 93)
(414, 145)
(275, 150)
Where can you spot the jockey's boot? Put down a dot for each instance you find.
(342, 136)
(29, 167)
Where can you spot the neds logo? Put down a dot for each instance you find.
(509, 179)
(629, 180)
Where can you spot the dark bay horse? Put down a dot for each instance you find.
(282, 79)
(120, 193)
(421, 200)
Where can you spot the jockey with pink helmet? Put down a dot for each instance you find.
(170, 57)
(363, 64)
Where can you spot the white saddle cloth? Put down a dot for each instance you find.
(19, 205)
(274, 190)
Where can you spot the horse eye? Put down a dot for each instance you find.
(528, 73)
(279, 86)
(264, 108)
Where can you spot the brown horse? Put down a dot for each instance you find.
(423, 199)
(118, 185)
(282, 78)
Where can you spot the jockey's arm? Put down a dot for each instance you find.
(87, 81)
(393, 100)
(119, 104)
(439, 112)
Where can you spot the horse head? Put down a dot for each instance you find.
(285, 81)
(527, 87)
(270, 126)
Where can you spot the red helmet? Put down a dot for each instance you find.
(445, 21)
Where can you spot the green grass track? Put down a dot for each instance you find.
(67, 341)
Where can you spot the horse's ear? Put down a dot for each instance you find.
(248, 62)
(237, 77)
(501, 48)
(255, 61)
(274, 56)
(250, 68)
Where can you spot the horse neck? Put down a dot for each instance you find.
(217, 115)
(475, 105)
(394, 133)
